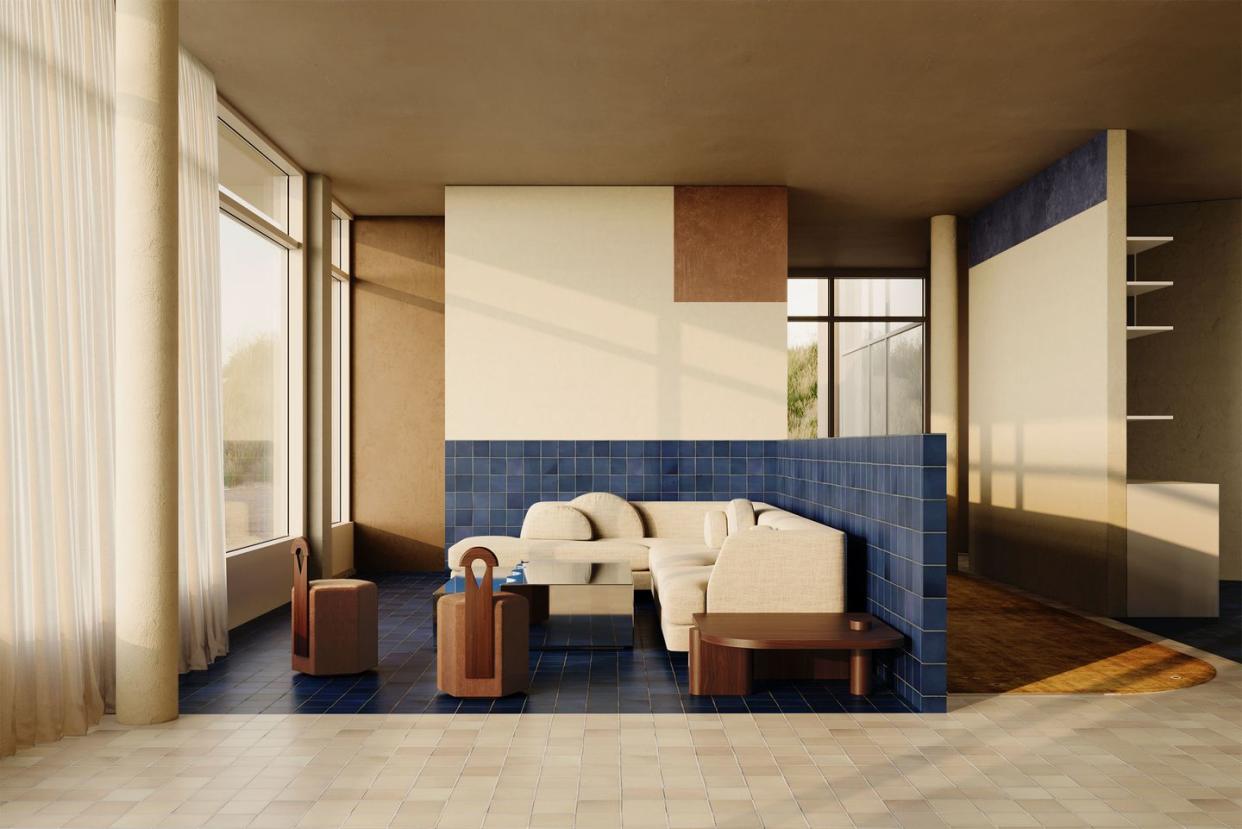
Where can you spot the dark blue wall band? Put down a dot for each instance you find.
(886, 493)
(1064, 189)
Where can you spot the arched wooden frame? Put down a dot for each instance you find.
(480, 615)
(301, 598)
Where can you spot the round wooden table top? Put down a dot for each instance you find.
(795, 631)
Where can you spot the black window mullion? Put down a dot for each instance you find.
(832, 318)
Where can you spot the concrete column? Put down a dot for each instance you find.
(943, 383)
(319, 336)
(147, 621)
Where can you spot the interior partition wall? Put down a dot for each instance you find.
(580, 355)
(1047, 377)
(887, 493)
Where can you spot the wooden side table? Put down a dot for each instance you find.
(726, 647)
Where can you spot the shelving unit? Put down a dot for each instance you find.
(1133, 332)
(1137, 288)
(1172, 527)
(1139, 244)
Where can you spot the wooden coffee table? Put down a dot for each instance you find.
(728, 650)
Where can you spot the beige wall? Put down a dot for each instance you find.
(1041, 414)
(259, 580)
(398, 393)
(560, 324)
(1195, 372)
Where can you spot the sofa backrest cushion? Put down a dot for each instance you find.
(555, 522)
(715, 528)
(778, 519)
(741, 514)
(675, 519)
(611, 516)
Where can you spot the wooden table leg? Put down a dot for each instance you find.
(718, 670)
(860, 673)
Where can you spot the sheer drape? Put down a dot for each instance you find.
(56, 261)
(56, 371)
(204, 599)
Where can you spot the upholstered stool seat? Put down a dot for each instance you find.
(482, 638)
(335, 623)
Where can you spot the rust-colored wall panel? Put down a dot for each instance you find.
(730, 244)
(398, 393)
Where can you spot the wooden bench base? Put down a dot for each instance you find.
(731, 663)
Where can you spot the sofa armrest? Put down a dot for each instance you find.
(779, 571)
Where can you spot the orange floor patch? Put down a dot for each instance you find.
(1002, 642)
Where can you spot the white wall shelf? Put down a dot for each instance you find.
(1138, 288)
(1138, 244)
(1149, 417)
(1133, 332)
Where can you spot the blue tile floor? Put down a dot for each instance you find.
(1221, 636)
(256, 678)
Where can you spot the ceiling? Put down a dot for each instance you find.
(875, 114)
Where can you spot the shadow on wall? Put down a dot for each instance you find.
(397, 373)
(668, 339)
(380, 551)
(1054, 555)
(1034, 525)
(561, 304)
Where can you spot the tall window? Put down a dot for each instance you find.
(260, 228)
(856, 355)
(342, 223)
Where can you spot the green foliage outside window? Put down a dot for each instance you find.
(803, 390)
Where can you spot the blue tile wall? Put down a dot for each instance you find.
(1064, 189)
(489, 484)
(886, 493)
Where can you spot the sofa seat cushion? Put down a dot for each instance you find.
(509, 551)
(682, 592)
(608, 549)
(670, 554)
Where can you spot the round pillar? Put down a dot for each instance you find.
(147, 618)
(944, 340)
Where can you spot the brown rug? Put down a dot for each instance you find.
(1002, 642)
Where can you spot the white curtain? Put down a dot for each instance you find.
(57, 667)
(204, 597)
(56, 262)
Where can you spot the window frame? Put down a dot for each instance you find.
(344, 275)
(831, 382)
(293, 241)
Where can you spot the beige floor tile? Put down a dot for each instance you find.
(1162, 760)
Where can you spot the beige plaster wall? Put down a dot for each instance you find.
(259, 579)
(1195, 372)
(560, 324)
(1040, 475)
(397, 376)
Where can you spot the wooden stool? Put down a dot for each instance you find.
(335, 622)
(482, 638)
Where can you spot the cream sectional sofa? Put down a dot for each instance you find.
(695, 556)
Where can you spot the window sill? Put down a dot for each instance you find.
(260, 546)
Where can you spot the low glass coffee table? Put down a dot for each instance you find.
(573, 604)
